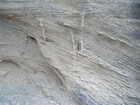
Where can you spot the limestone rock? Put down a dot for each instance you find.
(69, 52)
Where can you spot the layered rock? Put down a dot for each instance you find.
(70, 52)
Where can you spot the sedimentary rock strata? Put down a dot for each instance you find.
(66, 52)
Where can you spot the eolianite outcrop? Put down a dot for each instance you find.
(69, 52)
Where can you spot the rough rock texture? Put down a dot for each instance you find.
(69, 52)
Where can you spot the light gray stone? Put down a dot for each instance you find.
(50, 47)
(84, 98)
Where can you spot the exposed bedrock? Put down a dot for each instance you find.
(69, 52)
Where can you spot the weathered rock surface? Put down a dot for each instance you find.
(69, 52)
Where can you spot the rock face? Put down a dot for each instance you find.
(69, 52)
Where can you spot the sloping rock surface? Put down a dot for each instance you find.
(69, 52)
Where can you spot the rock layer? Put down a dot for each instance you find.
(70, 52)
